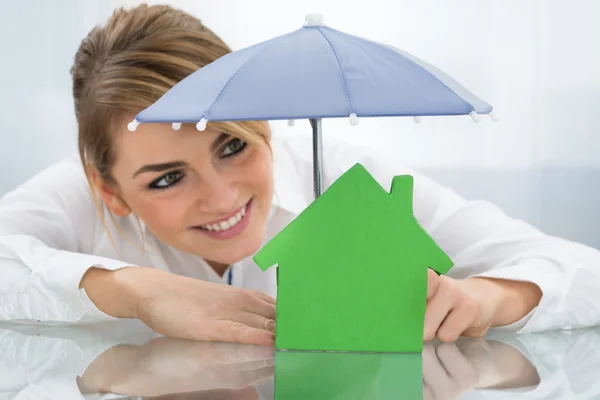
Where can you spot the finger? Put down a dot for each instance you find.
(458, 369)
(473, 348)
(247, 393)
(253, 378)
(232, 353)
(457, 321)
(248, 353)
(427, 392)
(435, 375)
(231, 331)
(256, 321)
(246, 373)
(458, 366)
(476, 331)
(236, 368)
(433, 282)
(430, 365)
(260, 307)
(435, 313)
(263, 296)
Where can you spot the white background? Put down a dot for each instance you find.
(535, 61)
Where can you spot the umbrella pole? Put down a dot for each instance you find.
(317, 156)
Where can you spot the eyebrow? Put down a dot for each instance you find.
(178, 164)
(159, 167)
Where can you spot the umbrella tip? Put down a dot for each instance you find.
(176, 126)
(314, 19)
(493, 116)
(417, 119)
(353, 119)
(201, 125)
(476, 118)
(291, 122)
(132, 126)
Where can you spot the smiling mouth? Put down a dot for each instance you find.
(227, 224)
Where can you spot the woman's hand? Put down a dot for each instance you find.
(471, 306)
(182, 307)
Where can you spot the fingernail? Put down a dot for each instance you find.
(271, 326)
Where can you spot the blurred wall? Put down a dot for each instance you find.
(535, 61)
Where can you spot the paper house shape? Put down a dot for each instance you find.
(302, 375)
(352, 269)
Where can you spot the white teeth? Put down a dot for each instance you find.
(226, 225)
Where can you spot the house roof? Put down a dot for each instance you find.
(355, 188)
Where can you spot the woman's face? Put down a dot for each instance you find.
(205, 193)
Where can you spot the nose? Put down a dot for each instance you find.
(218, 193)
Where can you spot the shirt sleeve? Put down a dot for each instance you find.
(483, 241)
(45, 225)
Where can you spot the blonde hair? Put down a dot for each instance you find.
(126, 65)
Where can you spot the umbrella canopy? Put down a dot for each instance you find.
(314, 72)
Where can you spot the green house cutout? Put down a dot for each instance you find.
(352, 269)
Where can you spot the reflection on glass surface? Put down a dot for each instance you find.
(126, 360)
(349, 376)
(168, 368)
(451, 370)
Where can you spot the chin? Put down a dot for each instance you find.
(236, 254)
(247, 249)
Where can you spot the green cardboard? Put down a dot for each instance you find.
(347, 376)
(352, 269)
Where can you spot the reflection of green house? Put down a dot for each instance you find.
(352, 270)
(302, 375)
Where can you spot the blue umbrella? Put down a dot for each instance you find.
(312, 73)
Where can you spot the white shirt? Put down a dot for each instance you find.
(51, 234)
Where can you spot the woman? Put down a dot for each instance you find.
(167, 231)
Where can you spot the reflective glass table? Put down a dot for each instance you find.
(126, 360)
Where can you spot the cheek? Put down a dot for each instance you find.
(161, 213)
(260, 173)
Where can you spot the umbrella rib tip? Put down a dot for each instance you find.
(132, 126)
(201, 125)
(475, 117)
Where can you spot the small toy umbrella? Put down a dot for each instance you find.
(312, 73)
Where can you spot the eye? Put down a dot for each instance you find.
(233, 147)
(166, 181)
